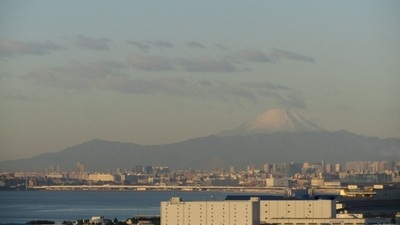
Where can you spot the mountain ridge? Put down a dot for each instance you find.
(218, 152)
(291, 139)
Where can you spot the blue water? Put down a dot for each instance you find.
(19, 207)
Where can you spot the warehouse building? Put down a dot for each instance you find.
(178, 212)
(247, 210)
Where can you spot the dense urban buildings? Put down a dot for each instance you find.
(309, 193)
(292, 175)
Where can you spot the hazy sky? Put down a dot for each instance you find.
(153, 72)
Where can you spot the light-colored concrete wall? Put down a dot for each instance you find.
(307, 212)
(210, 212)
(297, 209)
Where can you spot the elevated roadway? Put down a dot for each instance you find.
(278, 191)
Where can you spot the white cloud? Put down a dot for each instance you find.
(145, 46)
(85, 42)
(293, 100)
(150, 62)
(11, 48)
(221, 47)
(250, 55)
(20, 97)
(111, 75)
(161, 44)
(166, 86)
(266, 85)
(195, 44)
(76, 75)
(206, 64)
(278, 53)
(140, 45)
(204, 88)
(196, 65)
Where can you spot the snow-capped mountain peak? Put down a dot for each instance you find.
(274, 120)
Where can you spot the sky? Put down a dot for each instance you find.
(154, 72)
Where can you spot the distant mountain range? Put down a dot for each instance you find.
(278, 135)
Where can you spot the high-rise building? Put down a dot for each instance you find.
(328, 168)
(251, 168)
(338, 168)
(80, 167)
(232, 170)
(267, 168)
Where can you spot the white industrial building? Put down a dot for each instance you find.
(178, 212)
(101, 177)
(309, 212)
(240, 210)
(270, 210)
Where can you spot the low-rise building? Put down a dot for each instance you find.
(277, 182)
(101, 177)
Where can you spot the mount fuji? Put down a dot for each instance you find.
(273, 121)
(276, 136)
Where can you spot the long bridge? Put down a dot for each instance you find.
(264, 190)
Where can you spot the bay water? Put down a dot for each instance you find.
(19, 207)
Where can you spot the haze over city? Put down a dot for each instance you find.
(162, 72)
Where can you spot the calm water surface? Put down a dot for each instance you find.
(22, 206)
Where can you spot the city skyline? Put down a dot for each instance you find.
(154, 73)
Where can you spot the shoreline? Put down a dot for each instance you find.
(85, 221)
